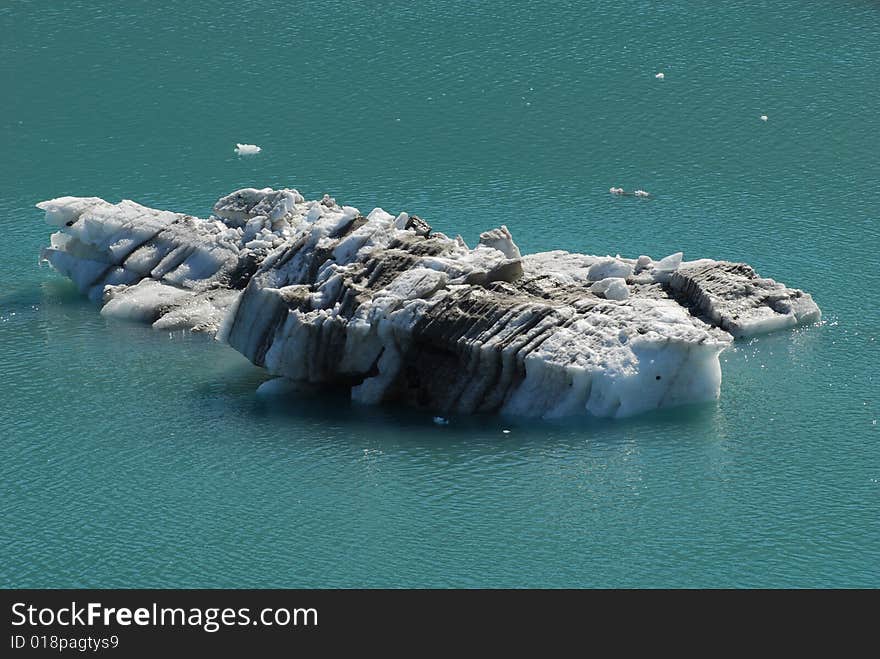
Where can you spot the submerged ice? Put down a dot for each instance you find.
(320, 294)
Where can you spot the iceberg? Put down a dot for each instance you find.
(319, 294)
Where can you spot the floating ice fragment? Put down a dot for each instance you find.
(609, 267)
(660, 76)
(314, 293)
(247, 149)
(764, 117)
(641, 193)
(614, 190)
(506, 431)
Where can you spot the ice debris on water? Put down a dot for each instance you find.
(247, 149)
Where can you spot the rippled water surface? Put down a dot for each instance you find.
(131, 457)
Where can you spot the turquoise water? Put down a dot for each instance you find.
(132, 457)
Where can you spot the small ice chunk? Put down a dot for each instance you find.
(669, 263)
(641, 193)
(764, 117)
(253, 227)
(256, 244)
(609, 267)
(506, 431)
(247, 149)
(501, 240)
(380, 217)
(614, 190)
(440, 421)
(659, 76)
(613, 288)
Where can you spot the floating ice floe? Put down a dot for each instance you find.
(659, 76)
(247, 149)
(617, 191)
(641, 193)
(764, 117)
(319, 294)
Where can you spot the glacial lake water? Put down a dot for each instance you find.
(131, 457)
